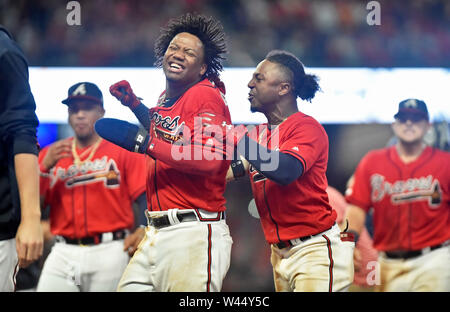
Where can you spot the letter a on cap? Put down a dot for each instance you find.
(80, 90)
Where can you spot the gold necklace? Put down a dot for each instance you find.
(77, 158)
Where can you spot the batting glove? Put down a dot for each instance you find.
(123, 92)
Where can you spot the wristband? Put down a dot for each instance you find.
(238, 168)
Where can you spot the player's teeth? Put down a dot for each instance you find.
(175, 66)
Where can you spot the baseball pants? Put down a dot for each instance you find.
(322, 263)
(188, 256)
(75, 268)
(429, 272)
(8, 265)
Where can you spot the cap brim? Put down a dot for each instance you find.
(82, 97)
(411, 111)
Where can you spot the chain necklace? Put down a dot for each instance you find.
(77, 158)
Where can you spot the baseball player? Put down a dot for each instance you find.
(288, 161)
(407, 185)
(90, 185)
(20, 230)
(187, 245)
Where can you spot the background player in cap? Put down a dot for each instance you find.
(90, 185)
(407, 185)
(188, 244)
(308, 251)
(21, 239)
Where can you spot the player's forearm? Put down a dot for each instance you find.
(356, 218)
(142, 113)
(276, 166)
(27, 175)
(191, 158)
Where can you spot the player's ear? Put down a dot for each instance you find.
(203, 69)
(284, 88)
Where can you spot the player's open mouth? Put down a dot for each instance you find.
(250, 97)
(176, 68)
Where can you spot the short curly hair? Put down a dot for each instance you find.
(207, 29)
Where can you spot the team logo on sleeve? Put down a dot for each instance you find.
(413, 189)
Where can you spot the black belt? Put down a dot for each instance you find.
(160, 221)
(407, 254)
(92, 240)
(296, 241)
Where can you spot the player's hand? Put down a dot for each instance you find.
(122, 91)
(357, 260)
(29, 241)
(56, 151)
(132, 241)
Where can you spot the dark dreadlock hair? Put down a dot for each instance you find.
(207, 29)
(305, 85)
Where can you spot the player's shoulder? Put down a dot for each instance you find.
(206, 91)
(440, 156)
(300, 121)
(378, 154)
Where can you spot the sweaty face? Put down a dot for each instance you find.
(82, 117)
(183, 61)
(265, 87)
(410, 129)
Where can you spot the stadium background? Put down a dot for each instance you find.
(322, 33)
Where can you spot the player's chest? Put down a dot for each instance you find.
(406, 185)
(102, 170)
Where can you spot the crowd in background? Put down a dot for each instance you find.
(321, 33)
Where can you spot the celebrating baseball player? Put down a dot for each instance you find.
(288, 161)
(90, 185)
(187, 245)
(407, 185)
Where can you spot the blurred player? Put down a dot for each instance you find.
(90, 185)
(288, 160)
(407, 185)
(366, 256)
(187, 245)
(20, 231)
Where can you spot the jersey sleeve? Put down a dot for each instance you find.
(306, 143)
(135, 173)
(210, 121)
(358, 192)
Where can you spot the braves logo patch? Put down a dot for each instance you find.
(414, 189)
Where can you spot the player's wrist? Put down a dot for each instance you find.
(355, 235)
(43, 168)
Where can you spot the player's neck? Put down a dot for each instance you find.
(85, 142)
(410, 152)
(174, 89)
(281, 113)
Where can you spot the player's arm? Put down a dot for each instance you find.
(132, 241)
(29, 237)
(277, 166)
(124, 93)
(356, 218)
(18, 124)
(238, 168)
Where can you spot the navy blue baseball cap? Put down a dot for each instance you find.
(412, 106)
(84, 91)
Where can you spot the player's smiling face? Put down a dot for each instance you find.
(264, 87)
(183, 61)
(410, 128)
(82, 117)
